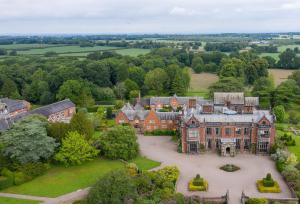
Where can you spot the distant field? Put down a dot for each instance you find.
(133, 52)
(284, 47)
(200, 82)
(65, 49)
(280, 75)
(274, 55)
(25, 46)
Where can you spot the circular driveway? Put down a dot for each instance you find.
(253, 167)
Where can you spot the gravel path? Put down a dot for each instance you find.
(253, 167)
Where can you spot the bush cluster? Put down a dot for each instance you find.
(257, 201)
(229, 168)
(143, 187)
(288, 140)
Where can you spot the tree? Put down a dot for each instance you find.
(264, 88)
(9, 89)
(75, 150)
(287, 93)
(130, 86)
(82, 124)
(227, 84)
(232, 67)
(271, 61)
(27, 141)
(76, 91)
(109, 113)
(197, 64)
(137, 75)
(3, 51)
(279, 113)
(288, 60)
(34, 91)
(103, 94)
(156, 80)
(115, 187)
(101, 115)
(120, 143)
(58, 131)
(178, 85)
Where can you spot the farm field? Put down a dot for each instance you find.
(280, 75)
(60, 180)
(133, 52)
(65, 49)
(284, 47)
(4, 200)
(200, 82)
(274, 55)
(26, 46)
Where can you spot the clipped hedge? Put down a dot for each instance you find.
(203, 187)
(257, 201)
(161, 132)
(265, 189)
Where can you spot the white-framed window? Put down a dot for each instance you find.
(194, 133)
(121, 121)
(151, 121)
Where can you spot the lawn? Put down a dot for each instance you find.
(296, 149)
(284, 47)
(4, 200)
(133, 52)
(25, 46)
(60, 180)
(202, 81)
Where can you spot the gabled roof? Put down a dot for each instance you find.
(127, 107)
(252, 101)
(165, 100)
(53, 108)
(167, 115)
(13, 105)
(220, 98)
(132, 114)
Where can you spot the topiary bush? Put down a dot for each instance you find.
(268, 185)
(257, 201)
(268, 181)
(198, 184)
(229, 168)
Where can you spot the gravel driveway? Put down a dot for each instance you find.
(207, 165)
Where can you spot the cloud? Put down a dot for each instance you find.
(150, 16)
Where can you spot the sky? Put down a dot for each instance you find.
(148, 16)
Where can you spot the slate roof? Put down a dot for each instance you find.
(13, 105)
(4, 124)
(53, 108)
(132, 114)
(236, 118)
(220, 98)
(165, 100)
(253, 101)
(167, 115)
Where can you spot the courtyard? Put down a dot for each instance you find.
(253, 167)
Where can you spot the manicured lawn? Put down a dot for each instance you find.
(60, 180)
(296, 149)
(4, 200)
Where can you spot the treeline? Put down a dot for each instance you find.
(225, 47)
(103, 76)
(265, 48)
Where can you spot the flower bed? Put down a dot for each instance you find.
(268, 185)
(230, 168)
(198, 184)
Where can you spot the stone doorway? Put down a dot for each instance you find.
(228, 149)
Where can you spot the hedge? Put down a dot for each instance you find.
(161, 132)
(192, 187)
(263, 189)
(6, 182)
(257, 201)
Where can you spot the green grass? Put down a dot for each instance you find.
(60, 180)
(204, 93)
(133, 52)
(274, 55)
(296, 149)
(25, 46)
(4, 200)
(284, 47)
(65, 49)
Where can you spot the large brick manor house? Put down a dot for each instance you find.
(230, 123)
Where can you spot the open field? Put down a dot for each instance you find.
(296, 149)
(202, 81)
(65, 49)
(133, 52)
(4, 200)
(26, 46)
(284, 47)
(280, 75)
(274, 55)
(60, 180)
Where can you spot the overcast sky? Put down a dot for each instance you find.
(148, 16)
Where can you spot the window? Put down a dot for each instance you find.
(163, 121)
(170, 121)
(227, 131)
(238, 144)
(208, 131)
(193, 133)
(121, 121)
(193, 146)
(218, 131)
(218, 143)
(263, 146)
(238, 131)
(151, 121)
(209, 143)
(247, 144)
(264, 133)
(246, 131)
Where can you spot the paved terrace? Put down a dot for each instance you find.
(207, 165)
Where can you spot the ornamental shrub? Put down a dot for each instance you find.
(268, 181)
(6, 182)
(20, 177)
(198, 181)
(33, 169)
(132, 169)
(257, 201)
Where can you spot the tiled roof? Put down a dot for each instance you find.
(13, 105)
(167, 115)
(165, 100)
(221, 98)
(236, 118)
(253, 101)
(53, 108)
(132, 114)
